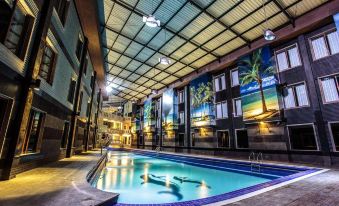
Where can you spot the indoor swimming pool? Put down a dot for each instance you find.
(150, 178)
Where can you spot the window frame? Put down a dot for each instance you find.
(323, 35)
(220, 83)
(331, 134)
(236, 139)
(183, 96)
(5, 124)
(231, 77)
(222, 111)
(73, 92)
(295, 96)
(234, 107)
(182, 122)
(52, 68)
(321, 88)
(64, 16)
(304, 124)
(229, 138)
(285, 51)
(79, 39)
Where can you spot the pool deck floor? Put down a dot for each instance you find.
(60, 183)
(64, 183)
(318, 190)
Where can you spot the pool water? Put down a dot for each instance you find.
(143, 179)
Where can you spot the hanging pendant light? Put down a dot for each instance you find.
(164, 60)
(269, 35)
(151, 21)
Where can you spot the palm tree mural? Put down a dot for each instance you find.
(201, 96)
(255, 73)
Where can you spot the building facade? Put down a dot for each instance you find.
(307, 86)
(49, 94)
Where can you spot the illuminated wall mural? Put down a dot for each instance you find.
(258, 86)
(147, 115)
(202, 108)
(169, 110)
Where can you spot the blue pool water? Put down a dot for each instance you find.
(148, 179)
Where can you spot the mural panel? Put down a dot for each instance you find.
(258, 86)
(202, 107)
(147, 115)
(169, 110)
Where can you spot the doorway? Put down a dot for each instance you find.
(5, 115)
(181, 139)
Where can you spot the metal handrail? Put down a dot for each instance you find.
(256, 159)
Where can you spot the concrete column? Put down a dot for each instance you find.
(18, 129)
(96, 119)
(75, 112)
(90, 112)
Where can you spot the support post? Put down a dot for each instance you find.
(90, 112)
(96, 119)
(18, 129)
(75, 113)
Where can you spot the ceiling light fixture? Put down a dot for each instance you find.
(154, 91)
(269, 35)
(164, 60)
(109, 89)
(151, 21)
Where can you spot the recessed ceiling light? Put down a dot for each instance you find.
(164, 60)
(269, 35)
(151, 21)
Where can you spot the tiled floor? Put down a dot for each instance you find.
(320, 190)
(61, 183)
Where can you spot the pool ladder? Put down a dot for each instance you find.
(157, 149)
(256, 160)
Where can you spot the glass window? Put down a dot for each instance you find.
(237, 107)
(302, 137)
(219, 83)
(80, 101)
(47, 64)
(288, 58)
(325, 45)
(335, 135)
(221, 109)
(65, 135)
(223, 139)
(17, 28)
(182, 118)
(235, 77)
(181, 96)
(296, 96)
(330, 89)
(71, 91)
(78, 50)
(242, 139)
(33, 132)
(62, 8)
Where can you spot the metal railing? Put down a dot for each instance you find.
(256, 160)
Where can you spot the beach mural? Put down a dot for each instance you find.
(202, 107)
(147, 115)
(258, 86)
(169, 110)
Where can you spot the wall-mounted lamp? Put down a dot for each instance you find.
(263, 124)
(35, 84)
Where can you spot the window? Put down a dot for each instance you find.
(330, 89)
(80, 101)
(237, 107)
(223, 139)
(33, 133)
(88, 108)
(62, 8)
(296, 96)
(219, 83)
(288, 58)
(15, 29)
(158, 122)
(5, 113)
(65, 135)
(181, 96)
(85, 66)
(92, 81)
(78, 50)
(242, 138)
(222, 110)
(71, 91)
(47, 64)
(325, 45)
(302, 137)
(335, 135)
(235, 77)
(182, 118)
